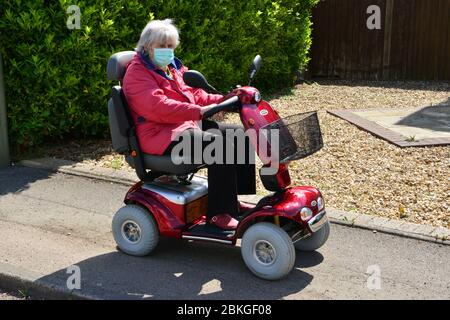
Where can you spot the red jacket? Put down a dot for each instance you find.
(160, 106)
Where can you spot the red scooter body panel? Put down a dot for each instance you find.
(254, 117)
(294, 199)
(287, 204)
(254, 114)
(169, 216)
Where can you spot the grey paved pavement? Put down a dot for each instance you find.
(49, 222)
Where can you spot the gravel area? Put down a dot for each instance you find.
(355, 170)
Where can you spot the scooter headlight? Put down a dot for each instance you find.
(320, 203)
(257, 96)
(306, 213)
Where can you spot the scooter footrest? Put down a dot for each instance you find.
(206, 229)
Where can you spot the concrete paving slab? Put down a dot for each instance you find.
(409, 127)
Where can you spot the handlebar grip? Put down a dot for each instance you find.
(228, 104)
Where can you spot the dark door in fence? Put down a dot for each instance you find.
(413, 42)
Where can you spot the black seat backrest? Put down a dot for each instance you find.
(121, 124)
(117, 64)
(120, 120)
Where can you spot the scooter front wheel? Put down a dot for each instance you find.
(135, 230)
(315, 241)
(268, 251)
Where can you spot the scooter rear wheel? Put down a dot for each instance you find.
(135, 230)
(268, 251)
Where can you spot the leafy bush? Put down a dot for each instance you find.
(55, 77)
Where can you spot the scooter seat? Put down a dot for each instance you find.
(165, 164)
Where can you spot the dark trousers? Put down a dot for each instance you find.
(225, 181)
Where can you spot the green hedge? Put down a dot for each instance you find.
(55, 78)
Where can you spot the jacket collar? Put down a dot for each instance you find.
(176, 63)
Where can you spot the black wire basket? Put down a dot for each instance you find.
(299, 136)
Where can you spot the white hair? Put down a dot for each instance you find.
(158, 31)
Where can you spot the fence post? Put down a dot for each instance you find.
(387, 39)
(4, 145)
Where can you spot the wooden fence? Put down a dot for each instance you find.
(413, 42)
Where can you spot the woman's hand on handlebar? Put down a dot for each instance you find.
(207, 108)
(230, 94)
(226, 105)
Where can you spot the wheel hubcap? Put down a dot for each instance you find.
(264, 252)
(131, 231)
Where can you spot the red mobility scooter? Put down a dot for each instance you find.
(171, 201)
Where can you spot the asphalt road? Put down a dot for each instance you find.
(49, 222)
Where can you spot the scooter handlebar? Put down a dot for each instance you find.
(227, 105)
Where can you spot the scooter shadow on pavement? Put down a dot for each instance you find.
(183, 270)
(16, 179)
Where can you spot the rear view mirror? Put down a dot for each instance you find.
(195, 79)
(254, 68)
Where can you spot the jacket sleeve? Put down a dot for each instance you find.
(149, 101)
(203, 98)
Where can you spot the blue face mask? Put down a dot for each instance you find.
(162, 56)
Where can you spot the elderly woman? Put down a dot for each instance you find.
(164, 108)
